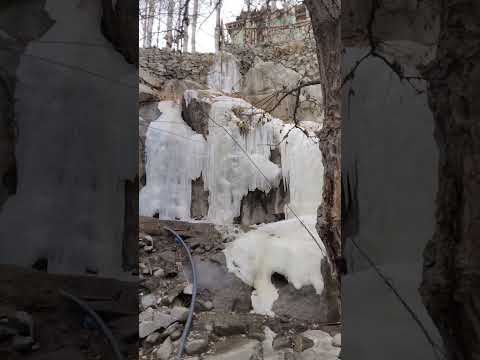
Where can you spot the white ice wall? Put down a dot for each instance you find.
(225, 74)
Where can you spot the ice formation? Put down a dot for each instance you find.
(283, 247)
(233, 160)
(230, 173)
(175, 155)
(302, 171)
(225, 74)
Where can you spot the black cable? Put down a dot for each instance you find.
(188, 324)
(106, 331)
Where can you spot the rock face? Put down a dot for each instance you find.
(93, 215)
(34, 25)
(169, 65)
(265, 84)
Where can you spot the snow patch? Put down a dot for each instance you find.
(283, 247)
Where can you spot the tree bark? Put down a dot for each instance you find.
(218, 26)
(451, 277)
(149, 24)
(327, 31)
(170, 12)
(120, 27)
(194, 26)
(185, 25)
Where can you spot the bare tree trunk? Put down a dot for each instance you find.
(451, 272)
(218, 27)
(194, 26)
(170, 12)
(185, 25)
(144, 20)
(160, 9)
(327, 30)
(149, 24)
(179, 24)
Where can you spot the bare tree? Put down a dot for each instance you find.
(218, 26)
(148, 24)
(170, 13)
(325, 16)
(186, 24)
(194, 25)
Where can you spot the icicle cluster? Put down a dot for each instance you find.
(225, 73)
(175, 155)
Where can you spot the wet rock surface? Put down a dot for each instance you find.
(223, 325)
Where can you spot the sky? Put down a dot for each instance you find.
(205, 35)
(206, 24)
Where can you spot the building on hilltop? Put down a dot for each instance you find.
(270, 25)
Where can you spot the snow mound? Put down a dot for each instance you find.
(283, 247)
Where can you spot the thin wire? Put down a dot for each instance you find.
(414, 316)
(70, 67)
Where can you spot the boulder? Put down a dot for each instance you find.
(266, 83)
(237, 348)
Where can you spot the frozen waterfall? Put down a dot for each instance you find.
(175, 155)
(225, 74)
(231, 162)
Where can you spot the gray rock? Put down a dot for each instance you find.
(337, 340)
(281, 342)
(153, 338)
(159, 273)
(238, 348)
(180, 313)
(302, 343)
(153, 320)
(196, 346)
(177, 334)
(148, 301)
(228, 326)
(201, 305)
(165, 350)
(231, 293)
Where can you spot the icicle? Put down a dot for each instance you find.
(225, 74)
(175, 156)
(230, 173)
(302, 171)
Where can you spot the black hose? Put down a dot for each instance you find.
(188, 324)
(106, 331)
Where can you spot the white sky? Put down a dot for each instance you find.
(206, 24)
(205, 35)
